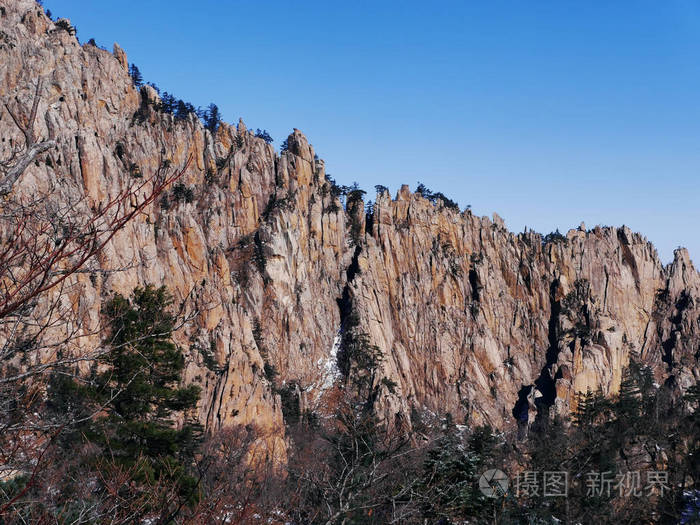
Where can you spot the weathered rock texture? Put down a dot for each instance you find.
(466, 313)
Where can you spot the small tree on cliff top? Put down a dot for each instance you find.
(136, 76)
(212, 117)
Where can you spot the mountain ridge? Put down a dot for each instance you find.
(469, 317)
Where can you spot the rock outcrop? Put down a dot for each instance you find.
(468, 315)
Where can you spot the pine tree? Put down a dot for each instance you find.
(590, 406)
(627, 406)
(135, 75)
(359, 362)
(128, 407)
(141, 394)
(582, 415)
(212, 117)
(263, 134)
(168, 103)
(448, 486)
(183, 110)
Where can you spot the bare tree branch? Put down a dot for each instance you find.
(31, 147)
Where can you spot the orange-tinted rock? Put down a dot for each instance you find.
(465, 312)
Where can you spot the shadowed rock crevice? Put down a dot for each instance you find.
(545, 382)
(520, 411)
(683, 304)
(348, 317)
(627, 256)
(474, 284)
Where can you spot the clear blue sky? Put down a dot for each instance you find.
(549, 113)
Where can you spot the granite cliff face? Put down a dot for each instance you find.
(468, 315)
(473, 315)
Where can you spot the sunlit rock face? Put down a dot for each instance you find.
(269, 265)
